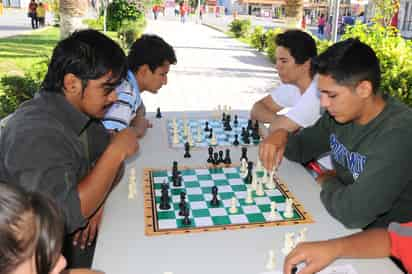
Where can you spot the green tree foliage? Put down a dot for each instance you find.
(384, 10)
(121, 10)
(270, 42)
(129, 31)
(258, 38)
(240, 28)
(395, 56)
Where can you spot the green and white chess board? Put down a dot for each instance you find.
(197, 183)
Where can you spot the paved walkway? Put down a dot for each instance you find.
(212, 69)
(13, 22)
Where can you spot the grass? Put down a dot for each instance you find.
(19, 53)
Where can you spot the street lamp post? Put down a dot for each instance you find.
(335, 20)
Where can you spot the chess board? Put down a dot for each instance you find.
(197, 183)
(224, 138)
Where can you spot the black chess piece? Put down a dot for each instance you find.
(211, 133)
(249, 124)
(223, 116)
(164, 199)
(227, 126)
(175, 170)
(221, 161)
(245, 137)
(158, 113)
(186, 220)
(215, 158)
(249, 172)
(236, 141)
(243, 132)
(244, 154)
(187, 150)
(255, 132)
(182, 203)
(227, 159)
(210, 159)
(177, 180)
(214, 201)
(207, 126)
(235, 121)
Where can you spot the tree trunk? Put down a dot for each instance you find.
(72, 13)
(294, 13)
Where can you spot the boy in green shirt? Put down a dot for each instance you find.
(368, 135)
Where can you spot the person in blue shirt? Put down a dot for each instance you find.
(149, 62)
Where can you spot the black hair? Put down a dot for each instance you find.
(150, 50)
(349, 62)
(30, 224)
(300, 44)
(89, 55)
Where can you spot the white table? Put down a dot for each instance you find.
(123, 248)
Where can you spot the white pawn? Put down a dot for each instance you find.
(259, 189)
(131, 192)
(213, 141)
(249, 198)
(199, 135)
(175, 138)
(273, 213)
(288, 244)
(270, 182)
(254, 181)
(233, 206)
(271, 263)
(288, 213)
(189, 137)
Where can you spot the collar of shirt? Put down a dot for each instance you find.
(132, 80)
(63, 111)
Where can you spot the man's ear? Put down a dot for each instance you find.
(364, 89)
(71, 85)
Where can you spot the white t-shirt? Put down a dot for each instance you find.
(303, 109)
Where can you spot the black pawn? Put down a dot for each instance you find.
(246, 136)
(207, 126)
(186, 220)
(214, 201)
(215, 158)
(249, 172)
(243, 132)
(210, 159)
(223, 117)
(236, 122)
(249, 125)
(177, 181)
(158, 113)
(182, 203)
(236, 141)
(221, 161)
(227, 159)
(164, 199)
(244, 154)
(187, 150)
(211, 133)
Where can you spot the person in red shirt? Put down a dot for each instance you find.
(395, 241)
(32, 14)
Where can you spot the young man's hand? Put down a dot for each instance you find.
(86, 236)
(325, 175)
(125, 142)
(272, 148)
(316, 255)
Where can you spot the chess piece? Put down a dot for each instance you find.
(249, 125)
(215, 158)
(270, 183)
(249, 172)
(227, 159)
(175, 137)
(164, 199)
(233, 206)
(236, 121)
(249, 196)
(210, 159)
(288, 213)
(199, 135)
(259, 166)
(273, 208)
(186, 220)
(271, 265)
(244, 154)
(243, 169)
(211, 133)
(158, 113)
(288, 243)
(302, 236)
(187, 150)
(189, 137)
(255, 183)
(221, 161)
(213, 141)
(223, 116)
(259, 189)
(243, 132)
(236, 141)
(214, 201)
(177, 181)
(245, 137)
(206, 126)
(182, 203)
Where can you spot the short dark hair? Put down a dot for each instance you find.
(89, 55)
(30, 224)
(150, 50)
(300, 44)
(349, 62)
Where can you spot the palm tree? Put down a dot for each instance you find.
(72, 13)
(294, 12)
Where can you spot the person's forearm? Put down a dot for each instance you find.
(261, 113)
(281, 121)
(372, 243)
(94, 188)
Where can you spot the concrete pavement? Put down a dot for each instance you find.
(211, 69)
(13, 22)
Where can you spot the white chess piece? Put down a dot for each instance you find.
(213, 141)
(185, 130)
(225, 109)
(130, 194)
(229, 110)
(270, 182)
(288, 244)
(259, 189)
(271, 263)
(243, 168)
(288, 213)
(249, 197)
(273, 209)
(199, 134)
(259, 166)
(254, 181)
(233, 206)
(175, 138)
(189, 137)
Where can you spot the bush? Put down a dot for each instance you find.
(17, 89)
(129, 32)
(258, 38)
(240, 28)
(270, 42)
(395, 56)
(119, 11)
(96, 24)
